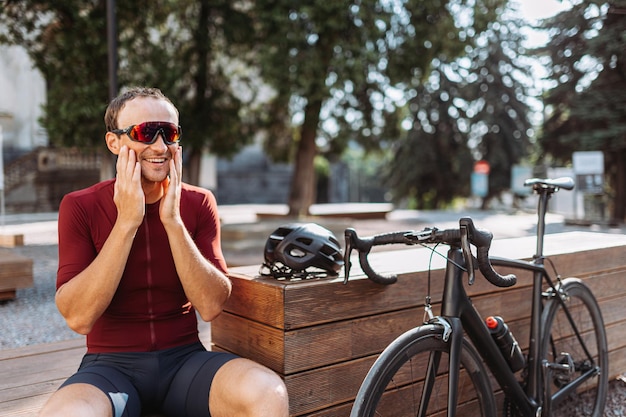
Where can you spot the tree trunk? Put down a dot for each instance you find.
(191, 174)
(302, 192)
(619, 203)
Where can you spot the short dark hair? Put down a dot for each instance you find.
(117, 104)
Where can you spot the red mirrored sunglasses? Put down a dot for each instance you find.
(148, 132)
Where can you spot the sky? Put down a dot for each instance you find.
(533, 10)
(539, 9)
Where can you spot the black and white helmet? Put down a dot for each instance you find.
(302, 250)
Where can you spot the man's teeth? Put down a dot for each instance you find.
(156, 160)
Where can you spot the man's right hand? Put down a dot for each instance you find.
(128, 194)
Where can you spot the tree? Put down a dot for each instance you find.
(432, 164)
(341, 68)
(586, 105)
(501, 126)
(186, 48)
(65, 41)
(470, 108)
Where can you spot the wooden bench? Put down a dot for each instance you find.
(31, 374)
(16, 271)
(322, 336)
(11, 240)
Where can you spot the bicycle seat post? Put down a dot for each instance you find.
(542, 208)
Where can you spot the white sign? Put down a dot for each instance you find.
(591, 162)
(480, 184)
(519, 174)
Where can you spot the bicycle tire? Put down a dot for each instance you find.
(393, 385)
(559, 345)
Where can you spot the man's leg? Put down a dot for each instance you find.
(78, 400)
(245, 388)
(94, 391)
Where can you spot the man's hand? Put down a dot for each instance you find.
(169, 210)
(128, 195)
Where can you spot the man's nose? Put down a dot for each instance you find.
(160, 139)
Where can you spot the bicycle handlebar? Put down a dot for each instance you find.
(461, 237)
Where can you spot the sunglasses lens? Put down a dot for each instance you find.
(148, 132)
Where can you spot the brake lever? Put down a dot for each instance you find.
(467, 250)
(348, 234)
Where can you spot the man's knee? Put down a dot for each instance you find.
(77, 400)
(249, 388)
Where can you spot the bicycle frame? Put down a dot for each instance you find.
(457, 304)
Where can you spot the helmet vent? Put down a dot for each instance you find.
(297, 253)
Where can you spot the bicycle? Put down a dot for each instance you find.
(433, 369)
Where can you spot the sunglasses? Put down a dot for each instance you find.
(148, 132)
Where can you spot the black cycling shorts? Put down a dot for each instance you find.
(174, 382)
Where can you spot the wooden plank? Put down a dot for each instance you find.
(617, 362)
(308, 303)
(315, 390)
(24, 407)
(368, 335)
(43, 367)
(16, 271)
(41, 348)
(11, 240)
(249, 339)
(259, 299)
(32, 373)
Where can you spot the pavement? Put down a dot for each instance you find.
(245, 227)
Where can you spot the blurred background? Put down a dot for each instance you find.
(418, 103)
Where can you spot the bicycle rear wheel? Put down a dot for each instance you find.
(394, 384)
(574, 352)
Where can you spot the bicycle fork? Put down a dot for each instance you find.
(454, 334)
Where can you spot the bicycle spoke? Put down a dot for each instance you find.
(575, 358)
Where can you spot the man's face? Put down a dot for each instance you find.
(154, 158)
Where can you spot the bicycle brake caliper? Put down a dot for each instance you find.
(447, 329)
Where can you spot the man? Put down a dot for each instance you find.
(139, 255)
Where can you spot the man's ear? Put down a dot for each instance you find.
(113, 142)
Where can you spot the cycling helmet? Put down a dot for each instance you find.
(302, 250)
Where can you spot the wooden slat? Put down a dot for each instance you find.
(249, 339)
(315, 390)
(308, 303)
(11, 240)
(16, 272)
(31, 374)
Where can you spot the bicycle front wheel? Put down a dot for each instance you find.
(574, 353)
(394, 386)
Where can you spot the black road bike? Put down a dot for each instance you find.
(438, 368)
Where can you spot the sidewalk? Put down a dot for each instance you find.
(244, 233)
(240, 222)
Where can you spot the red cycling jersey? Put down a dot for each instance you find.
(149, 310)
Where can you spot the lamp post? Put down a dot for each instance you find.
(112, 48)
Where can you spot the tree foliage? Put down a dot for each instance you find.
(468, 109)
(342, 68)
(65, 40)
(189, 49)
(586, 104)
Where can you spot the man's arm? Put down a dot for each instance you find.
(206, 287)
(84, 298)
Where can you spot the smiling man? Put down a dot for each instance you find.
(139, 255)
